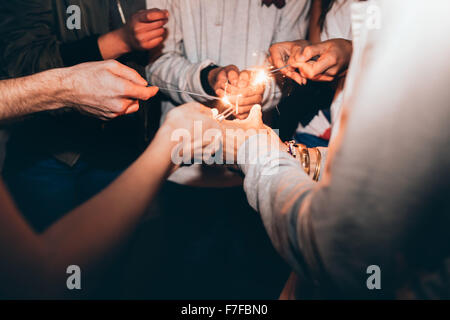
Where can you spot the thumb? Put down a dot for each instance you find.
(255, 114)
(310, 52)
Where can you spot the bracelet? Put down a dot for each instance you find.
(318, 165)
(305, 158)
(304, 154)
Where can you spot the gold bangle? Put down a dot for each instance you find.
(302, 151)
(318, 165)
(305, 159)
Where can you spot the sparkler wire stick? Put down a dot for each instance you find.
(227, 114)
(224, 114)
(276, 70)
(190, 93)
(237, 103)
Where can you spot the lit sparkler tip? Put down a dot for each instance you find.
(261, 76)
(225, 100)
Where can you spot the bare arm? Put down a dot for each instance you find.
(85, 235)
(314, 23)
(34, 265)
(22, 96)
(103, 89)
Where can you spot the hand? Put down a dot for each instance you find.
(236, 132)
(145, 30)
(194, 131)
(104, 89)
(280, 54)
(333, 60)
(218, 77)
(245, 93)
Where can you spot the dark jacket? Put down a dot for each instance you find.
(34, 38)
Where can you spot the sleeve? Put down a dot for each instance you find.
(292, 24)
(386, 187)
(29, 43)
(172, 70)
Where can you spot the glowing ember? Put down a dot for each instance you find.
(226, 101)
(260, 77)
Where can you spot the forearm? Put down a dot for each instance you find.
(314, 22)
(35, 265)
(27, 95)
(106, 220)
(276, 187)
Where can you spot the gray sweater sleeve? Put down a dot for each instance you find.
(384, 198)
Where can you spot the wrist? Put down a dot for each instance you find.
(61, 84)
(210, 78)
(163, 146)
(114, 44)
(205, 79)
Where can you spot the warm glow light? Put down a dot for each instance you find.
(225, 100)
(260, 77)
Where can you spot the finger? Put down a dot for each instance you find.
(310, 52)
(124, 105)
(133, 108)
(232, 74)
(215, 112)
(150, 35)
(220, 92)
(296, 77)
(245, 101)
(312, 69)
(146, 27)
(245, 109)
(332, 72)
(127, 73)
(276, 56)
(152, 15)
(242, 116)
(139, 92)
(270, 60)
(244, 79)
(152, 43)
(234, 91)
(255, 113)
(296, 55)
(323, 78)
(221, 78)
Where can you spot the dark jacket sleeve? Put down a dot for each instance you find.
(30, 42)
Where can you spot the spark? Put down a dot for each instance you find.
(226, 101)
(261, 76)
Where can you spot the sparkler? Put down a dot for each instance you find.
(279, 69)
(261, 76)
(191, 93)
(237, 103)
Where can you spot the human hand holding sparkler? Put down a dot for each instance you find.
(194, 130)
(219, 77)
(324, 61)
(281, 55)
(248, 92)
(236, 132)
